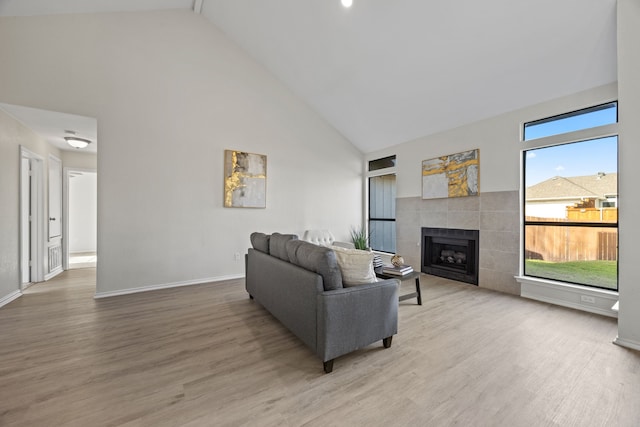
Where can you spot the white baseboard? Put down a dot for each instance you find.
(8, 298)
(635, 345)
(26, 286)
(593, 300)
(53, 274)
(148, 288)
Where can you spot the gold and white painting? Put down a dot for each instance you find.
(455, 175)
(245, 180)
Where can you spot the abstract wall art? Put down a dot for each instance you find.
(455, 175)
(245, 180)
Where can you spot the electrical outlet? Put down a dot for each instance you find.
(585, 298)
(237, 256)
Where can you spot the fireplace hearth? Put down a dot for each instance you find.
(451, 253)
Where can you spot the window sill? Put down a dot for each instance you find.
(599, 301)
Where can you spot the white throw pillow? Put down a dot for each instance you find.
(355, 265)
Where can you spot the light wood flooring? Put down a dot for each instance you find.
(206, 355)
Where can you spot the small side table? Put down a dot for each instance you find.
(413, 275)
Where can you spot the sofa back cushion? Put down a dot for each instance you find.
(356, 266)
(319, 259)
(277, 245)
(260, 242)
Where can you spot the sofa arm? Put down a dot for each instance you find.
(352, 318)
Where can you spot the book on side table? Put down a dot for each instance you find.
(402, 273)
(401, 270)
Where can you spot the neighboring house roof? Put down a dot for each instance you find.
(575, 187)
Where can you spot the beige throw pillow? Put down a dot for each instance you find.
(355, 265)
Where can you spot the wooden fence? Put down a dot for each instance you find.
(561, 244)
(592, 214)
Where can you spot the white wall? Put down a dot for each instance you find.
(629, 177)
(10, 133)
(83, 212)
(498, 139)
(549, 209)
(78, 159)
(170, 93)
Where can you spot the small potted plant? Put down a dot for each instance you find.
(360, 238)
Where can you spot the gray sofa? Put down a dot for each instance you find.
(300, 284)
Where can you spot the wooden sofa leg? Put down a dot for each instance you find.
(386, 342)
(328, 366)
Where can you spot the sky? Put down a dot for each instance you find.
(574, 159)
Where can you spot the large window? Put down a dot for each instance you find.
(382, 205)
(571, 199)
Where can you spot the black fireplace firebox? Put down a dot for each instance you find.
(451, 253)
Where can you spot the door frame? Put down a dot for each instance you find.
(37, 227)
(66, 176)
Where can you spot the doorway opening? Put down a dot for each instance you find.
(43, 216)
(31, 218)
(81, 218)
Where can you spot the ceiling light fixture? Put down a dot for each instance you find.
(76, 142)
(347, 3)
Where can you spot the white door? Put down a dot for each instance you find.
(55, 197)
(25, 213)
(54, 246)
(32, 217)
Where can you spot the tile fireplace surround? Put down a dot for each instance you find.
(496, 215)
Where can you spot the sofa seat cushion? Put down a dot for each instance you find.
(278, 245)
(260, 242)
(355, 265)
(319, 259)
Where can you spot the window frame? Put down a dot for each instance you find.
(582, 135)
(373, 174)
(562, 116)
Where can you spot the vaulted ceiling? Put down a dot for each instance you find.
(387, 71)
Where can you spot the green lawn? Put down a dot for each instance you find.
(603, 274)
